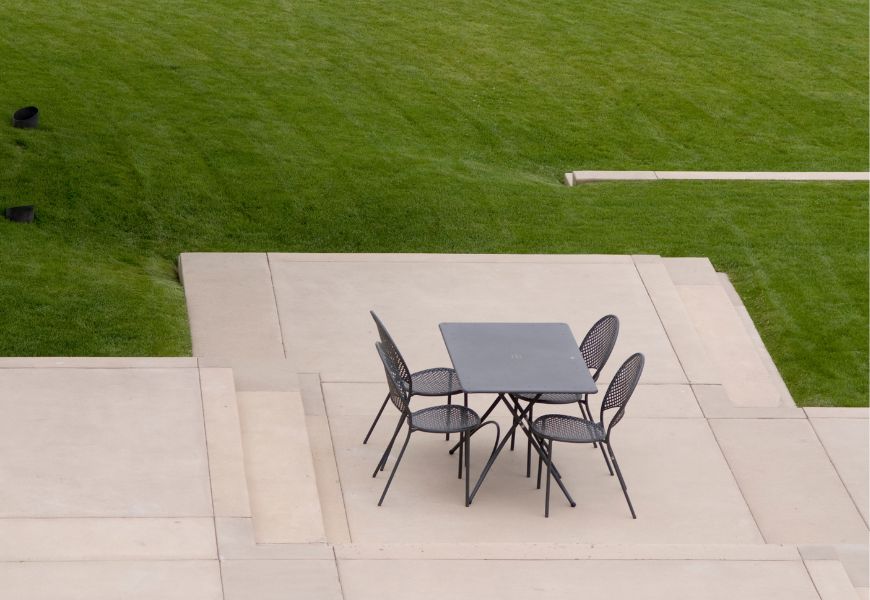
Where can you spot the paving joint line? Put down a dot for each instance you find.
(338, 573)
(275, 300)
(665, 330)
(335, 462)
(736, 482)
(217, 549)
(833, 464)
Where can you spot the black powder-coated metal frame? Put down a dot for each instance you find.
(434, 419)
(575, 430)
(440, 381)
(596, 348)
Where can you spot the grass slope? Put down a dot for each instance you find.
(405, 126)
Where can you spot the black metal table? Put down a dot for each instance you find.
(517, 358)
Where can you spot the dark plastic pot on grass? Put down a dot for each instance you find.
(21, 214)
(26, 118)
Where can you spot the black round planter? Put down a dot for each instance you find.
(26, 118)
(21, 214)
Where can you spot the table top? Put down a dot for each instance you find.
(519, 358)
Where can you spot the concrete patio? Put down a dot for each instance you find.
(240, 473)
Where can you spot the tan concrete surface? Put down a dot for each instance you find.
(755, 336)
(715, 403)
(683, 492)
(790, 484)
(568, 580)
(328, 481)
(676, 321)
(102, 443)
(112, 580)
(235, 538)
(855, 559)
(106, 538)
(109, 468)
(230, 305)
(279, 468)
(280, 580)
(417, 257)
(324, 309)
(521, 551)
(224, 436)
(830, 580)
(741, 370)
(578, 177)
(837, 412)
(841, 438)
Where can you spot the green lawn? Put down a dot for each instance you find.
(173, 126)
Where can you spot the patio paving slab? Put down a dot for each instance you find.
(681, 496)
(70, 539)
(280, 580)
(278, 464)
(235, 538)
(527, 551)
(733, 353)
(102, 443)
(792, 488)
(324, 309)
(223, 431)
(841, 437)
(570, 579)
(230, 305)
(752, 332)
(112, 580)
(676, 320)
(831, 580)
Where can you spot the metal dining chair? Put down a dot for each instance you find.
(575, 430)
(440, 381)
(596, 348)
(446, 418)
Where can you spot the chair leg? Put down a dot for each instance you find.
(540, 464)
(461, 451)
(621, 480)
(396, 466)
(606, 460)
(586, 413)
(467, 439)
(386, 454)
(529, 445)
(377, 418)
(449, 402)
(549, 476)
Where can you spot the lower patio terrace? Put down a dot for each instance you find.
(240, 473)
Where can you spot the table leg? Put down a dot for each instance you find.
(518, 421)
(482, 419)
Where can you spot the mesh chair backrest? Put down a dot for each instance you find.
(621, 388)
(392, 351)
(598, 344)
(399, 392)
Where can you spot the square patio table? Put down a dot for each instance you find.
(517, 358)
(512, 359)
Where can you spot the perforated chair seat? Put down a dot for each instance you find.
(565, 428)
(435, 382)
(445, 419)
(553, 398)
